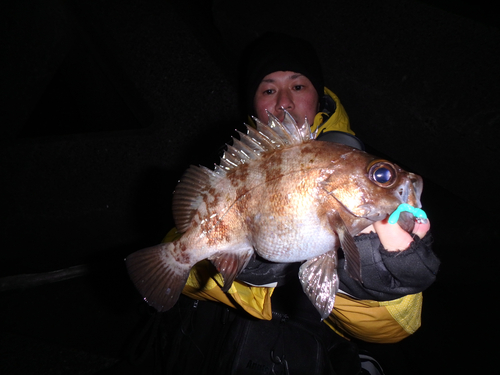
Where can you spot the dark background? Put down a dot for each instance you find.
(103, 104)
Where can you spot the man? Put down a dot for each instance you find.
(283, 73)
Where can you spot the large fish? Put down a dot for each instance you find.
(279, 194)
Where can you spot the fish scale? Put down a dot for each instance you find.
(279, 194)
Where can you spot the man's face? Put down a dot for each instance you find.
(289, 90)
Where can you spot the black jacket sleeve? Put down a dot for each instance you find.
(390, 275)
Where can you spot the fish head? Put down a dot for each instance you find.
(370, 189)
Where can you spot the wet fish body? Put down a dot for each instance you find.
(281, 195)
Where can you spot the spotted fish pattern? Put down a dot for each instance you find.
(280, 194)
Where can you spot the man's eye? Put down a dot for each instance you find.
(268, 92)
(298, 87)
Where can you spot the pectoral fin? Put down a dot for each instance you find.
(320, 282)
(230, 264)
(351, 252)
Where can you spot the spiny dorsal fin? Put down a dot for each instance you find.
(288, 130)
(266, 137)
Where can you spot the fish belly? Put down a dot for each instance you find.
(285, 240)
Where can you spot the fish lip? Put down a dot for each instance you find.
(411, 190)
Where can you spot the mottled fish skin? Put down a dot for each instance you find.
(281, 195)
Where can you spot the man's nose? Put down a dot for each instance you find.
(284, 101)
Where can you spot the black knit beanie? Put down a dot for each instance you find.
(274, 52)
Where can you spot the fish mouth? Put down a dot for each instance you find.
(411, 191)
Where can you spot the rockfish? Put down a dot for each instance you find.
(280, 194)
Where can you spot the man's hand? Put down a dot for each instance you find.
(393, 237)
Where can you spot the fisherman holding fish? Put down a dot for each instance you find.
(264, 321)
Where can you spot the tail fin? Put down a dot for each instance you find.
(157, 275)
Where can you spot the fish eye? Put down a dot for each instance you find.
(382, 173)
